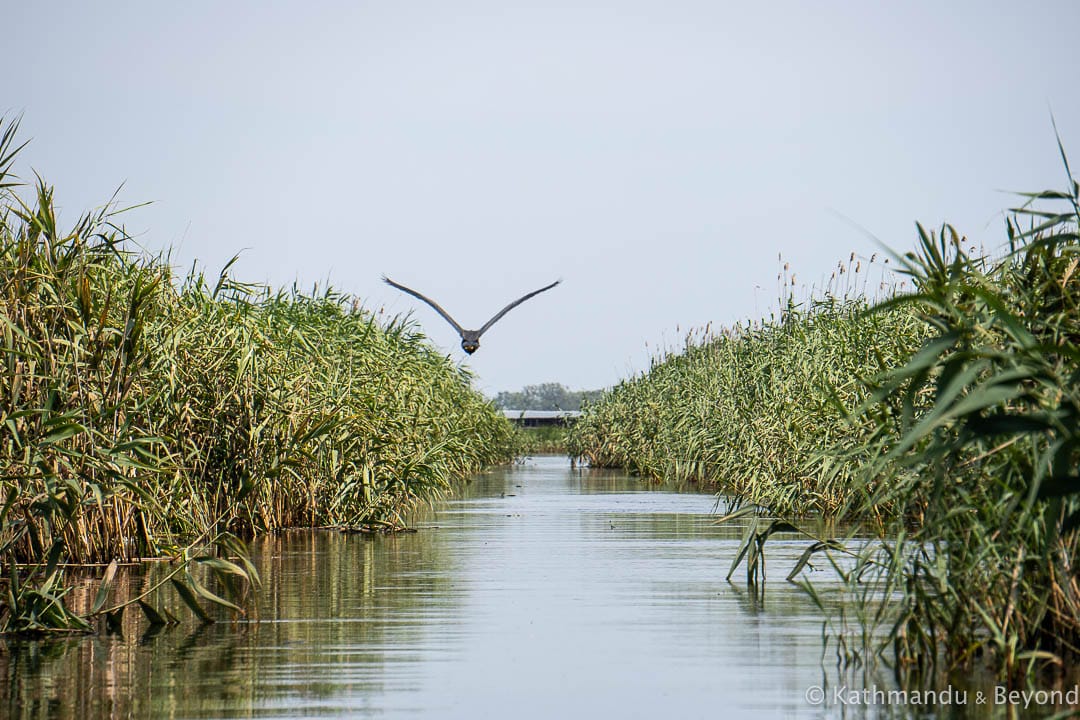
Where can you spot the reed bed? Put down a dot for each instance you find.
(544, 440)
(944, 421)
(975, 441)
(749, 409)
(145, 415)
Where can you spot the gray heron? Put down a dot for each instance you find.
(470, 339)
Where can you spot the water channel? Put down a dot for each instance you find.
(539, 591)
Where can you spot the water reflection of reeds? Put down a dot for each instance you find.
(525, 577)
(330, 601)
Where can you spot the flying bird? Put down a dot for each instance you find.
(470, 339)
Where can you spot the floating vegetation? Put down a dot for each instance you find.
(144, 415)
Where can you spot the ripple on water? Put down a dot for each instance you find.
(541, 592)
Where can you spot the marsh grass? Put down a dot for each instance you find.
(543, 440)
(943, 421)
(144, 415)
(748, 410)
(976, 443)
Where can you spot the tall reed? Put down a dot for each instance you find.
(975, 441)
(145, 415)
(750, 409)
(946, 420)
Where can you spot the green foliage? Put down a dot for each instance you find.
(546, 396)
(750, 410)
(976, 444)
(946, 420)
(145, 416)
(542, 440)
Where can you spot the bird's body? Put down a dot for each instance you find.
(470, 339)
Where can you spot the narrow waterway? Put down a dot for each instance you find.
(540, 591)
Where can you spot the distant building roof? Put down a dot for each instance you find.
(538, 418)
(540, 414)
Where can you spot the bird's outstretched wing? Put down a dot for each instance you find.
(513, 305)
(432, 303)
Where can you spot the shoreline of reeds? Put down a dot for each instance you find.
(148, 415)
(945, 421)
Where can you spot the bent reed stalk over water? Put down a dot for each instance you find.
(945, 421)
(144, 416)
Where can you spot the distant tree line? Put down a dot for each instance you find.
(546, 396)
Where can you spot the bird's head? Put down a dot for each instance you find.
(470, 344)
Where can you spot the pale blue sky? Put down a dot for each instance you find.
(656, 155)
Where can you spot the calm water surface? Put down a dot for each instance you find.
(539, 592)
